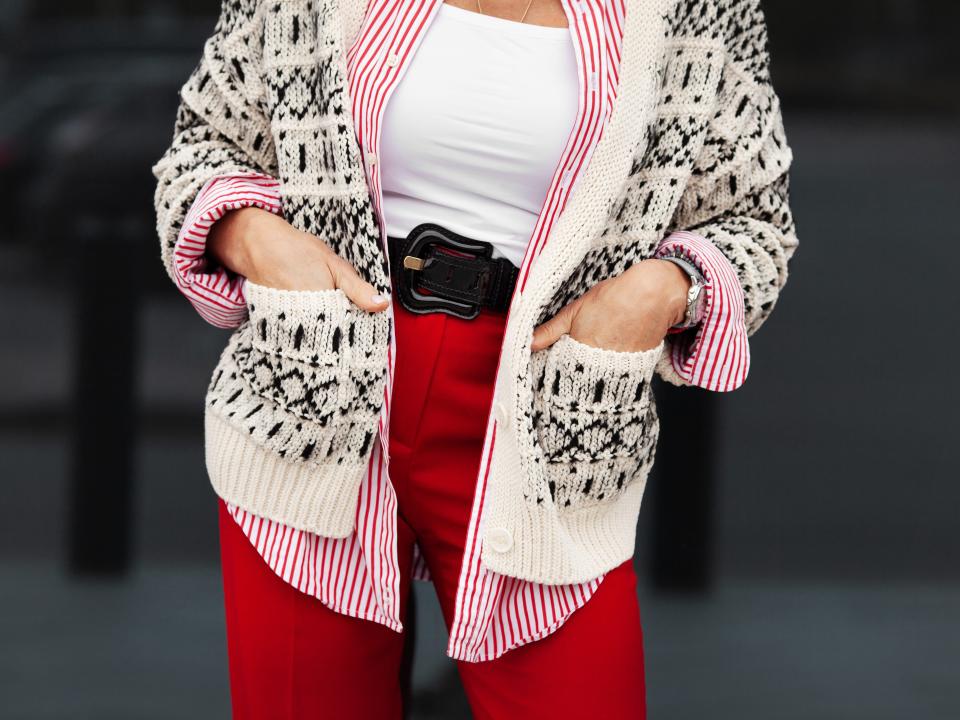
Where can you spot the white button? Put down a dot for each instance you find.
(501, 412)
(372, 158)
(593, 81)
(565, 179)
(500, 539)
(392, 60)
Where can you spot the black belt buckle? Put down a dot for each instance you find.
(416, 256)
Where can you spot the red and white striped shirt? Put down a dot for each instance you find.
(359, 575)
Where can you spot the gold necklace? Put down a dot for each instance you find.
(480, 8)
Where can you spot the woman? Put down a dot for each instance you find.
(456, 241)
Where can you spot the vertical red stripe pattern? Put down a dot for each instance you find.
(495, 613)
(359, 575)
(717, 355)
(216, 294)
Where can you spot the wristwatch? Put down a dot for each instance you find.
(694, 312)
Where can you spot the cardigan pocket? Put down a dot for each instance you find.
(305, 375)
(596, 419)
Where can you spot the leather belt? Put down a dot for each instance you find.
(437, 270)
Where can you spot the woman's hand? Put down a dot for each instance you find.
(630, 312)
(268, 250)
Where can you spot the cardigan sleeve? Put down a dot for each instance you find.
(737, 200)
(214, 291)
(220, 129)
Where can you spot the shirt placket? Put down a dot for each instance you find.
(479, 591)
(375, 82)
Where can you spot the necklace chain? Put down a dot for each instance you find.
(529, 3)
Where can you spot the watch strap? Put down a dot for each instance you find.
(694, 295)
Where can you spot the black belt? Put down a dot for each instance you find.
(437, 270)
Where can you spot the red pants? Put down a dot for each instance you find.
(292, 657)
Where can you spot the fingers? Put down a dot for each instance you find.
(361, 293)
(549, 332)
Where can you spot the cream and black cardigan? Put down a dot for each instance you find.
(695, 141)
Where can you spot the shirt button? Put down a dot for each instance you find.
(392, 60)
(372, 158)
(500, 410)
(500, 539)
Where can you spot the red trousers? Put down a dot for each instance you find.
(292, 657)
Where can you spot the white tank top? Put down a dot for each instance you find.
(474, 130)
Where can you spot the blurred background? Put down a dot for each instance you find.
(798, 546)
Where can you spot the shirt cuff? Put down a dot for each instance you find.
(715, 354)
(215, 292)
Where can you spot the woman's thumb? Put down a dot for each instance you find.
(361, 293)
(549, 332)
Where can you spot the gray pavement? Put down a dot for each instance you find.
(154, 648)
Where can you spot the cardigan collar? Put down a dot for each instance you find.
(643, 37)
(633, 111)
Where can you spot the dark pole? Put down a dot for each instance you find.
(406, 663)
(685, 480)
(104, 412)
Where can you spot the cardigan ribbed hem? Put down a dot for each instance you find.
(560, 548)
(317, 498)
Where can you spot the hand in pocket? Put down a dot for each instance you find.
(269, 251)
(631, 312)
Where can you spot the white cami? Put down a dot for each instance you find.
(473, 132)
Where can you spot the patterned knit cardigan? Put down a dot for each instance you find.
(695, 142)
